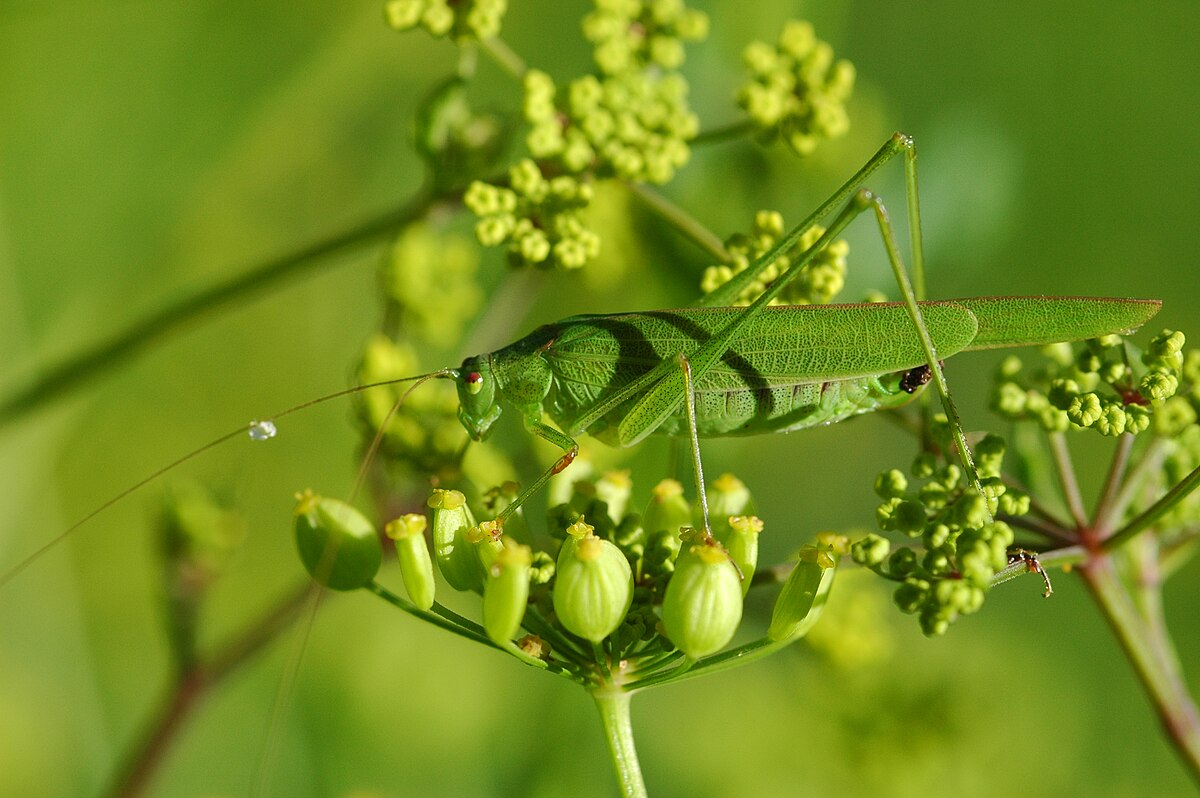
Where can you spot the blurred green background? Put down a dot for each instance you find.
(150, 149)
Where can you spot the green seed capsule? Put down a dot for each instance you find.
(457, 558)
(594, 585)
(703, 603)
(614, 489)
(803, 596)
(727, 496)
(338, 545)
(506, 592)
(740, 539)
(416, 567)
(667, 511)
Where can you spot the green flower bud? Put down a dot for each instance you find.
(1084, 409)
(741, 541)
(338, 545)
(457, 558)
(593, 587)
(890, 484)
(911, 595)
(1159, 385)
(1167, 343)
(728, 496)
(1112, 420)
(668, 510)
(871, 550)
(902, 562)
(1008, 400)
(803, 595)
(614, 489)
(403, 14)
(506, 592)
(416, 567)
(906, 515)
(438, 19)
(702, 606)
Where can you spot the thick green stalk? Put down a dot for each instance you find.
(1152, 656)
(613, 704)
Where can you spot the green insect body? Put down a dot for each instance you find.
(789, 368)
(714, 370)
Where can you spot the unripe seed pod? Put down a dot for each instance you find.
(338, 545)
(416, 567)
(703, 603)
(457, 558)
(741, 541)
(594, 585)
(506, 592)
(614, 489)
(668, 510)
(803, 596)
(727, 496)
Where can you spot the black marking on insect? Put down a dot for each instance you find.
(914, 378)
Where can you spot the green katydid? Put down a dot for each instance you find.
(714, 370)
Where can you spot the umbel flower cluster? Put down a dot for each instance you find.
(631, 121)
(960, 543)
(647, 593)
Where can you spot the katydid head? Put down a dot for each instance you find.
(477, 405)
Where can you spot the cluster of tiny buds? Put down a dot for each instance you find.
(537, 219)
(957, 549)
(796, 90)
(462, 19)
(1098, 388)
(817, 285)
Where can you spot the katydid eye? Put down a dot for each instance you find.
(474, 382)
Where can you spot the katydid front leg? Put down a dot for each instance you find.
(570, 448)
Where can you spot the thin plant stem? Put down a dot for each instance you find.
(1154, 512)
(718, 135)
(93, 361)
(505, 57)
(1103, 518)
(1044, 528)
(1067, 479)
(681, 220)
(613, 705)
(191, 686)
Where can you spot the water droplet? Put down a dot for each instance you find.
(262, 430)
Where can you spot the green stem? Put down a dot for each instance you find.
(1147, 464)
(1066, 476)
(681, 220)
(742, 655)
(1154, 512)
(613, 704)
(1104, 517)
(734, 130)
(438, 619)
(191, 687)
(505, 57)
(1153, 658)
(90, 363)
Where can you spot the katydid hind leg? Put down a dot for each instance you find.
(887, 233)
(728, 293)
(689, 391)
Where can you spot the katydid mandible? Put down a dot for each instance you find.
(713, 370)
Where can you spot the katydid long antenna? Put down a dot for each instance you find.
(257, 430)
